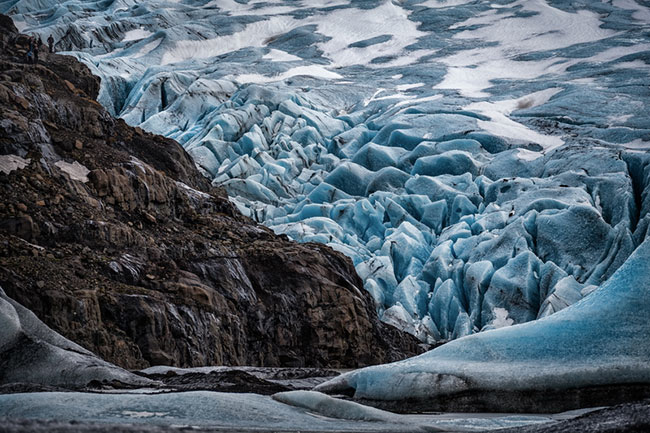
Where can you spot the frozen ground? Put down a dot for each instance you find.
(294, 411)
(482, 163)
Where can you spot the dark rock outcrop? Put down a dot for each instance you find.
(113, 238)
(31, 353)
(258, 380)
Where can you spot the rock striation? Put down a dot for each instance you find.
(112, 238)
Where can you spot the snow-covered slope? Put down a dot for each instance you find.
(483, 163)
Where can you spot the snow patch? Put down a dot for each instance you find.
(436, 4)
(637, 144)
(9, 163)
(136, 34)
(311, 70)
(143, 414)
(472, 71)
(503, 126)
(528, 155)
(194, 193)
(419, 100)
(501, 318)
(280, 56)
(369, 23)
(641, 12)
(147, 48)
(256, 34)
(75, 170)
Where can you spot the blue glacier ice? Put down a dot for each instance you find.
(599, 340)
(482, 164)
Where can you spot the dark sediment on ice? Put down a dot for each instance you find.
(258, 380)
(538, 401)
(623, 418)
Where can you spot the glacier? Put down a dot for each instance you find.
(482, 164)
(598, 341)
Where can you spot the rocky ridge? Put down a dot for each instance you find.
(112, 238)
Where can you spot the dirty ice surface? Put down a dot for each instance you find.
(484, 164)
(293, 411)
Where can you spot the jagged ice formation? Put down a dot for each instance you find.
(482, 164)
(593, 350)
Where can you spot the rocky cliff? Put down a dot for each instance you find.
(113, 238)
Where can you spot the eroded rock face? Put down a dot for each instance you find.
(127, 250)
